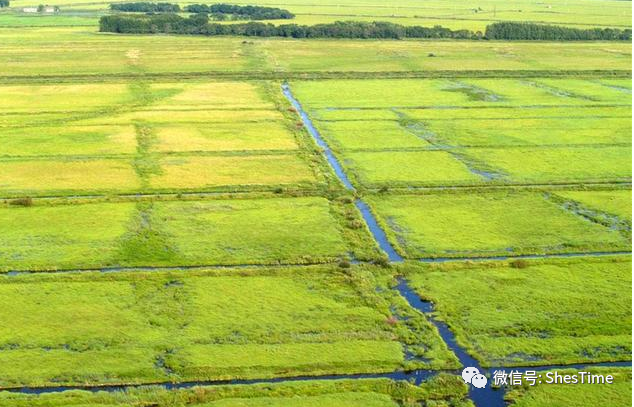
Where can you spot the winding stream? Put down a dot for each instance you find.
(487, 397)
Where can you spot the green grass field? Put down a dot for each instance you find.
(443, 391)
(145, 327)
(545, 312)
(477, 128)
(166, 217)
(247, 231)
(613, 395)
(488, 224)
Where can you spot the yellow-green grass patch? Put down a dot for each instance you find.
(224, 137)
(260, 231)
(558, 164)
(192, 116)
(75, 236)
(487, 224)
(207, 172)
(524, 113)
(544, 313)
(68, 140)
(369, 134)
(286, 230)
(618, 203)
(139, 327)
(394, 93)
(81, 51)
(41, 177)
(615, 394)
(408, 168)
(61, 98)
(224, 361)
(337, 55)
(227, 95)
(532, 131)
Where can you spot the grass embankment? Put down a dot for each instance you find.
(533, 312)
(208, 325)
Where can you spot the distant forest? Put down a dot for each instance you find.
(240, 12)
(198, 24)
(219, 12)
(4, 3)
(145, 7)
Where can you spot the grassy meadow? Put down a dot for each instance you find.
(443, 132)
(166, 217)
(173, 233)
(149, 327)
(444, 390)
(612, 395)
(82, 52)
(489, 224)
(534, 312)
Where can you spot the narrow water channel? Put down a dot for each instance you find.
(379, 234)
(487, 397)
(481, 397)
(332, 160)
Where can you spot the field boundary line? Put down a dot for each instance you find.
(273, 75)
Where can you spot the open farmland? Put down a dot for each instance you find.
(245, 221)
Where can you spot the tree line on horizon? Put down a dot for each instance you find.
(219, 12)
(198, 24)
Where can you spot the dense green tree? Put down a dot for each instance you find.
(222, 11)
(146, 7)
(199, 24)
(529, 31)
